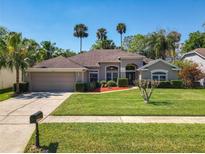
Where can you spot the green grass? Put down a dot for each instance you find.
(5, 94)
(82, 137)
(163, 102)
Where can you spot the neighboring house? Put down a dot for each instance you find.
(61, 74)
(7, 78)
(197, 56)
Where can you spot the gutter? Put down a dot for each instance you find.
(56, 70)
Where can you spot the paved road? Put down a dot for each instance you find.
(126, 119)
(15, 130)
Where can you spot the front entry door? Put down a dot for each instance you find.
(131, 77)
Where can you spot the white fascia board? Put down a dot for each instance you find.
(56, 69)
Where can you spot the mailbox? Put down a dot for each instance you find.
(34, 118)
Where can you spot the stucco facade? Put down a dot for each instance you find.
(160, 66)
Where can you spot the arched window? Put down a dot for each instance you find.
(131, 68)
(160, 75)
(111, 73)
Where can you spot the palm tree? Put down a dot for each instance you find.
(172, 39)
(121, 28)
(101, 34)
(14, 52)
(203, 25)
(49, 48)
(80, 31)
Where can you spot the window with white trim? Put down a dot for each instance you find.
(111, 73)
(160, 76)
(93, 76)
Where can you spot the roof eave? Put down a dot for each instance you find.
(56, 69)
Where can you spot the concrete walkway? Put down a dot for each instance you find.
(15, 130)
(125, 119)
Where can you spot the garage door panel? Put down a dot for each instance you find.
(52, 81)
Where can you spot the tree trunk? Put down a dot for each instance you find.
(121, 40)
(80, 44)
(17, 80)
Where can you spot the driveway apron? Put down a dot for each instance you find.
(15, 130)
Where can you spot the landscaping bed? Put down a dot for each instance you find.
(106, 138)
(129, 102)
(104, 89)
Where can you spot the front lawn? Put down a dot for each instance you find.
(5, 94)
(163, 102)
(82, 137)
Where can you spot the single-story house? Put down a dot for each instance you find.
(61, 74)
(197, 56)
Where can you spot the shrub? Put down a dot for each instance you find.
(23, 87)
(146, 88)
(164, 84)
(111, 83)
(177, 83)
(103, 83)
(92, 86)
(80, 87)
(122, 82)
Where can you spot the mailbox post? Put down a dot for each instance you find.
(34, 118)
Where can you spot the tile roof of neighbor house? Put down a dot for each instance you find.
(198, 51)
(92, 58)
(58, 62)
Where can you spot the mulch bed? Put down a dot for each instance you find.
(104, 89)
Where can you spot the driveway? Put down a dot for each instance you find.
(15, 130)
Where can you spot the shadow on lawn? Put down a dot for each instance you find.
(52, 148)
(160, 103)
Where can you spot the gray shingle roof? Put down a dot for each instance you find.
(92, 58)
(58, 62)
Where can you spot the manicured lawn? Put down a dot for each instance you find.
(163, 102)
(5, 94)
(82, 137)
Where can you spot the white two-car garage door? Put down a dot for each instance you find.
(47, 81)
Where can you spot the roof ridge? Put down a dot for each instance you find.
(74, 62)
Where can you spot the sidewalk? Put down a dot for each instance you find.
(125, 119)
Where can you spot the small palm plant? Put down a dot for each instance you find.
(80, 31)
(121, 28)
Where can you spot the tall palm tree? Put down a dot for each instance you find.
(172, 39)
(49, 48)
(101, 34)
(121, 28)
(14, 51)
(80, 31)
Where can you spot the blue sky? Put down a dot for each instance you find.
(54, 19)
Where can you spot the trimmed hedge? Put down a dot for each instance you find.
(164, 84)
(177, 83)
(92, 86)
(111, 83)
(84, 87)
(80, 87)
(122, 82)
(171, 84)
(23, 87)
